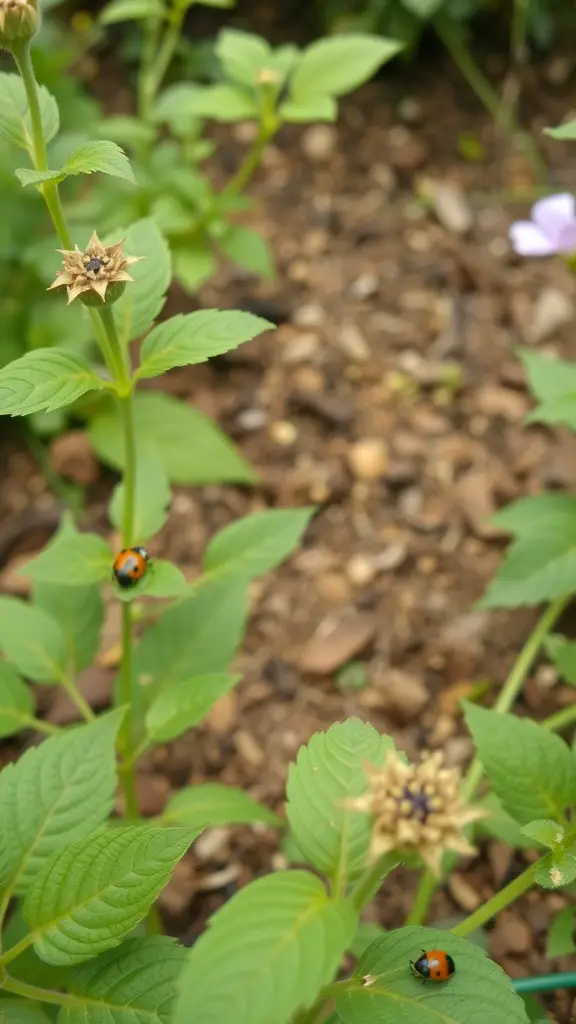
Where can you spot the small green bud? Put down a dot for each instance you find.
(19, 21)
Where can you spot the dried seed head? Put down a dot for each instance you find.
(19, 20)
(416, 809)
(96, 275)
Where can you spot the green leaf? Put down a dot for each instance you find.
(556, 871)
(151, 501)
(531, 517)
(386, 992)
(424, 9)
(72, 560)
(193, 266)
(190, 448)
(162, 579)
(267, 953)
(198, 636)
(500, 825)
(563, 653)
(544, 832)
(105, 157)
(136, 310)
(257, 543)
(16, 702)
(15, 123)
(45, 379)
(531, 769)
(561, 939)
(55, 794)
(249, 250)
(338, 64)
(190, 338)
(328, 771)
(211, 803)
(182, 705)
(16, 1011)
(564, 132)
(130, 10)
(316, 107)
(28, 966)
(126, 131)
(548, 378)
(242, 55)
(224, 102)
(94, 892)
(133, 984)
(80, 612)
(32, 640)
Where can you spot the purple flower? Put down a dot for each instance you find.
(552, 228)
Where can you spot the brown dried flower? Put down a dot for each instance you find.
(18, 20)
(97, 274)
(416, 809)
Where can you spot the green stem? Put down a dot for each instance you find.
(368, 884)
(515, 681)
(42, 995)
(426, 889)
(17, 950)
(41, 726)
(561, 720)
(77, 699)
(498, 902)
(451, 35)
(546, 982)
(162, 58)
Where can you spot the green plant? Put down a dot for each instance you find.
(77, 888)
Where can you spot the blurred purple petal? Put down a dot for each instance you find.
(528, 240)
(553, 213)
(567, 239)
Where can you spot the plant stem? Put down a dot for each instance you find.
(41, 726)
(77, 699)
(163, 56)
(426, 889)
(41, 995)
(515, 681)
(561, 720)
(453, 39)
(368, 884)
(498, 902)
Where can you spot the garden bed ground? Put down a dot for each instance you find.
(347, 406)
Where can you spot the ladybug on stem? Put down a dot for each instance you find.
(129, 566)
(433, 965)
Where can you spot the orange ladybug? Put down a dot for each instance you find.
(129, 566)
(433, 965)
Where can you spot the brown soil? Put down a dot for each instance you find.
(374, 296)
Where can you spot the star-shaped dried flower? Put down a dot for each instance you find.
(96, 274)
(416, 809)
(18, 20)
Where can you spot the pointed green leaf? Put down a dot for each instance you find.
(192, 338)
(212, 803)
(242, 55)
(130, 10)
(531, 769)
(317, 107)
(182, 705)
(102, 156)
(224, 102)
(162, 579)
(142, 301)
(257, 543)
(338, 64)
(544, 832)
(267, 952)
(55, 794)
(79, 611)
(16, 701)
(385, 991)
(133, 984)
(45, 379)
(197, 636)
(249, 250)
(328, 771)
(556, 870)
(548, 378)
(72, 560)
(193, 266)
(565, 132)
(33, 641)
(151, 500)
(190, 448)
(15, 123)
(91, 894)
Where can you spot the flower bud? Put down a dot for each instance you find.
(96, 275)
(19, 21)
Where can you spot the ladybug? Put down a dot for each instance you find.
(433, 965)
(130, 566)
